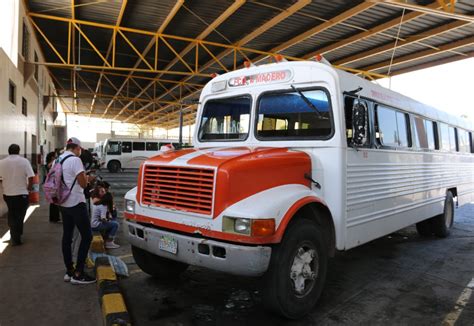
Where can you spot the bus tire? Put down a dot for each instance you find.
(295, 278)
(442, 223)
(113, 166)
(157, 266)
(425, 228)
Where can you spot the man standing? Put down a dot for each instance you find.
(17, 176)
(74, 213)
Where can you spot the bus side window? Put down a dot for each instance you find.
(424, 136)
(126, 147)
(392, 127)
(463, 141)
(151, 146)
(138, 146)
(114, 148)
(471, 140)
(448, 138)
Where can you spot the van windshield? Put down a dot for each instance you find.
(225, 119)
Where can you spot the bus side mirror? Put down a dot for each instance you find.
(359, 124)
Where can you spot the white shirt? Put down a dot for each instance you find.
(15, 171)
(71, 169)
(98, 212)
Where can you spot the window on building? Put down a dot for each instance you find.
(463, 141)
(392, 127)
(424, 136)
(12, 92)
(126, 147)
(151, 146)
(25, 45)
(294, 115)
(24, 107)
(138, 146)
(45, 124)
(36, 68)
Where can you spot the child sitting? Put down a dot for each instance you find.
(102, 219)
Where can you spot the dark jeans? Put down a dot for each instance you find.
(76, 217)
(17, 206)
(108, 229)
(54, 213)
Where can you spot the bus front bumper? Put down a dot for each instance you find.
(216, 255)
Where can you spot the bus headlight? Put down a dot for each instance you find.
(246, 226)
(130, 206)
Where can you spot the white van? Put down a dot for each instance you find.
(126, 153)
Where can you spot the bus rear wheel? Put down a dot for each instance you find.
(157, 266)
(439, 225)
(297, 272)
(113, 166)
(443, 223)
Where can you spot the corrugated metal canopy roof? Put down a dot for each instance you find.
(161, 53)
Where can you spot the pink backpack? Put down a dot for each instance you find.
(54, 188)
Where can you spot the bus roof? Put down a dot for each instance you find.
(284, 72)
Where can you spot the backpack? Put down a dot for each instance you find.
(55, 189)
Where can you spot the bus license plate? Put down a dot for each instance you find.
(168, 243)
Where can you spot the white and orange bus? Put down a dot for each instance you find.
(292, 162)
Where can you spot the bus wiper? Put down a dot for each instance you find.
(308, 102)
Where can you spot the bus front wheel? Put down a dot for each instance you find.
(113, 166)
(297, 272)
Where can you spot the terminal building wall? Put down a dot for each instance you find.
(26, 117)
(26, 113)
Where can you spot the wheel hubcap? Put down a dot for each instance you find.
(304, 270)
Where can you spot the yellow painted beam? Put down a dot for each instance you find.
(208, 30)
(150, 45)
(257, 32)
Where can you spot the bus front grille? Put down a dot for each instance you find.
(181, 188)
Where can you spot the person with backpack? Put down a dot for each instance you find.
(17, 179)
(65, 186)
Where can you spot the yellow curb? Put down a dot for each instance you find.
(113, 303)
(97, 244)
(105, 273)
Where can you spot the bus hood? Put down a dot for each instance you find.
(239, 172)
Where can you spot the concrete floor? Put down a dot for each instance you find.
(400, 279)
(32, 290)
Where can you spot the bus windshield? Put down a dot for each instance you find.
(301, 114)
(225, 119)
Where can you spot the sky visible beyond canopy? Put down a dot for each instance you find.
(448, 87)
